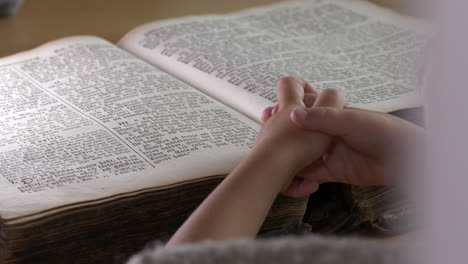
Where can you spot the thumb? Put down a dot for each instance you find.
(329, 120)
(326, 105)
(365, 131)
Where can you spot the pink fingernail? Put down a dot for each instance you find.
(275, 109)
(299, 114)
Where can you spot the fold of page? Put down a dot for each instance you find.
(81, 119)
(363, 50)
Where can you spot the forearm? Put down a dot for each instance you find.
(239, 205)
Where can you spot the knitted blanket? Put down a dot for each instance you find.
(286, 250)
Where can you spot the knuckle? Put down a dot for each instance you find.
(290, 80)
(333, 97)
(331, 92)
(285, 81)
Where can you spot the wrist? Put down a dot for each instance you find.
(279, 165)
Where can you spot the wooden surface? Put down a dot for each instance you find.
(39, 21)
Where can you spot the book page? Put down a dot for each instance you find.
(365, 51)
(81, 119)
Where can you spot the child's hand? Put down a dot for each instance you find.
(369, 147)
(280, 138)
(240, 203)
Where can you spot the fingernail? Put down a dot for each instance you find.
(275, 109)
(299, 114)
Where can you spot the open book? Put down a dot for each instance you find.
(104, 147)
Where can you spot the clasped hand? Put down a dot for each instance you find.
(324, 142)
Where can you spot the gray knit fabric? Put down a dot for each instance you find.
(288, 250)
